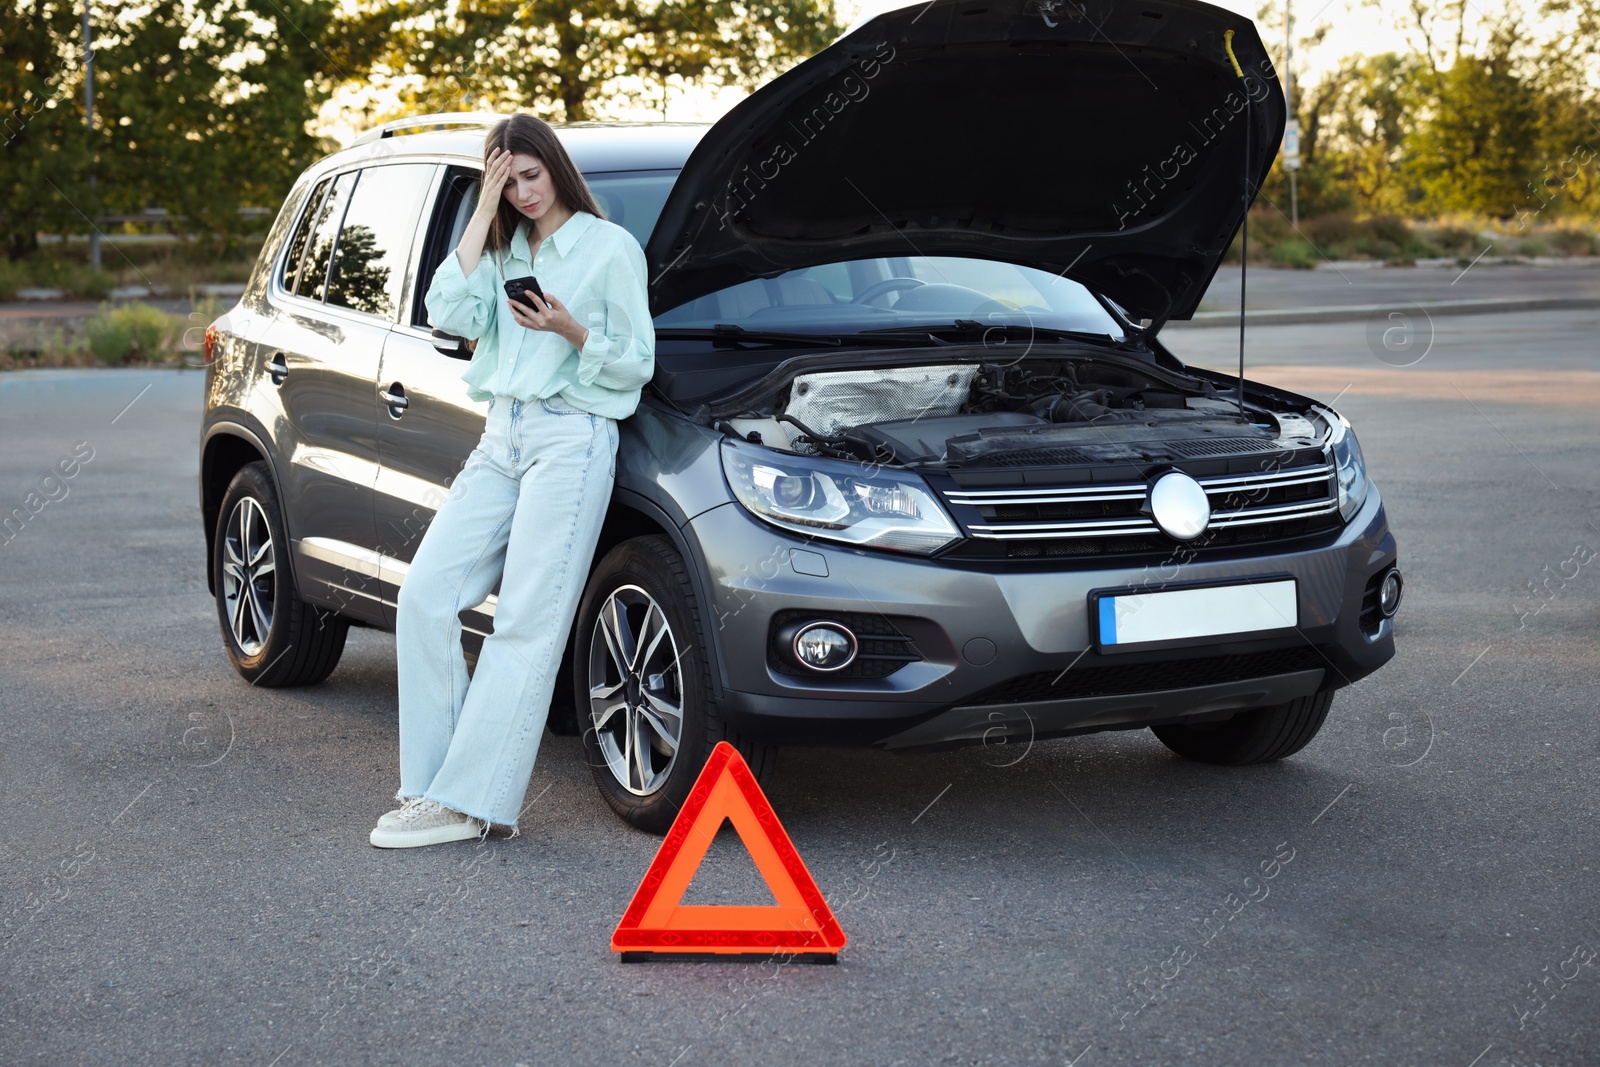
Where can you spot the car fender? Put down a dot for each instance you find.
(233, 422)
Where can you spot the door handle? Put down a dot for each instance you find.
(395, 397)
(277, 368)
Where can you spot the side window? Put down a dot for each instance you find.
(369, 262)
(290, 272)
(319, 249)
(458, 197)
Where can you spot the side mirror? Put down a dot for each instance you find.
(450, 345)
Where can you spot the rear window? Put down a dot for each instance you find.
(319, 250)
(289, 275)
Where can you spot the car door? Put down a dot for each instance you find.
(321, 369)
(427, 426)
(322, 358)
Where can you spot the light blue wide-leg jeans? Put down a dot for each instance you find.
(526, 509)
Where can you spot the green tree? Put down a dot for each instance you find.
(1366, 127)
(202, 106)
(1475, 151)
(563, 59)
(45, 137)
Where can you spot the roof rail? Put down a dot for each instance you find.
(460, 118)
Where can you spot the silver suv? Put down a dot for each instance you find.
(914, 470)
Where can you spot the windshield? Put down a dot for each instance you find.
(632, 199)
(862, 294)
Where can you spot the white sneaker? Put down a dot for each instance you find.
(420, 821)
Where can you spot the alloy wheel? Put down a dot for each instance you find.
(249, 575)
(635, 690)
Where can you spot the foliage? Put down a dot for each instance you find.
(1295, 252)
(1391, 239)
(1489, 114)
(1475, 151)
(12, 278)
(131, 331)
(200, 107)
(562, 60)
(225, 126)
(45, 140)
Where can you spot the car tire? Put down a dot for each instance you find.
(273, 637)
(641, 592)
(1256, 736)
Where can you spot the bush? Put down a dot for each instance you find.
(1533, 246)
(1391, 228)
(1373, 247)
(1455, 241)
(1294, 252)
(94, 284)
(132, 331)
(1328, 232)
(13, 276)
(1571, 242)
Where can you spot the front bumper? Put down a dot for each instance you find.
(1006, 652)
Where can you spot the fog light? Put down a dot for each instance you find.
(1389, 593)
(824, 646)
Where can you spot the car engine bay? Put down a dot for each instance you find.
(1048, 411)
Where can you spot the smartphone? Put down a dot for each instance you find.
(515, 287)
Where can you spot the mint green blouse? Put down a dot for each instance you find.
(597, 269)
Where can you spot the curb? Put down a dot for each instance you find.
(1356, 312)
(131, 292)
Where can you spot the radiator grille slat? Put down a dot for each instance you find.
(1042, 522)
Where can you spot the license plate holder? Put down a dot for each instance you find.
(1137, 619)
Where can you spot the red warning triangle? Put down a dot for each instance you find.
(657, 920)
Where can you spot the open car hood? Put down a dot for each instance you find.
(1101, 140)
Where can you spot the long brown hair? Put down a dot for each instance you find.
(532, 135)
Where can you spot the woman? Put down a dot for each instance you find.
(531, 497)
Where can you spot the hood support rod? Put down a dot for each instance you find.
(1244, 247)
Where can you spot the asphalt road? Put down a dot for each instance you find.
(185, 878)
(1345, 283)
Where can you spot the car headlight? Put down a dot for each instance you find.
(1349, 466)
(850, 502)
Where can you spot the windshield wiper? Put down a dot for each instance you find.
(726, 333)
(729, 334)
(968, 330)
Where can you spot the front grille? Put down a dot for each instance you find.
(1156, 545)
(881, 649)
(1085, 520)
(1080, 682)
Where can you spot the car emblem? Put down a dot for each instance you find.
(1179, 505)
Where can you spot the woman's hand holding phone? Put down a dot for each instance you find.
(551, 315)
